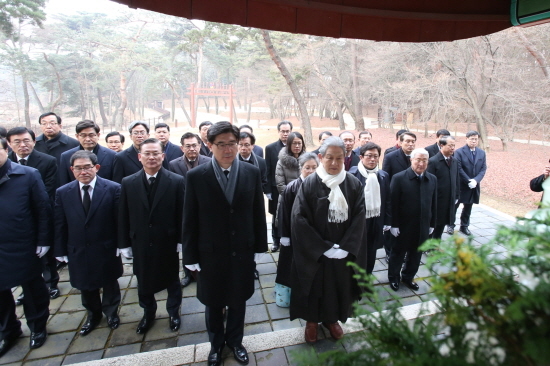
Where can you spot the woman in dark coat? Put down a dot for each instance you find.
(288, 168)
(308, 162)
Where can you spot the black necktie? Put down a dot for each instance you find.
(151, 180)
(473, 154)
(449, 160)
(226, 172)
(23, 161)
(86, 201)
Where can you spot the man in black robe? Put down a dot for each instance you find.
(327, 231)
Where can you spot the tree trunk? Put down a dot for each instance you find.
(102, 109)
(359, 122)
(539, 57)
(173, 110)
(123, 102)
(60, 89)
(35, 95)
(306, 125)
(27, 102)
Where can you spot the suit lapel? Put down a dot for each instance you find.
(140, 188)
(132, 154)
(74, 193)
(97, 197)
(214, 187)
(164, 181)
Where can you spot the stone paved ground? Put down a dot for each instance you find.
(64, 346)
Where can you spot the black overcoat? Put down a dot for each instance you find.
(56, 146)
(89, 241)
(26, 224)
(432, 150)
(46, 165)
(153, 231)
(171, 152)
(223, 237)
(179, 167)
(126, 163)
(448, 187)
(395, 162)
(271, 158)
(470, 169)
(414, 207)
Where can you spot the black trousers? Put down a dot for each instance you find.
(108, 304)
(372, 236)
(397, 256)
(389, 242)
(233, 333)
(438, 231)
(49, 269)
(35, 306)
(465, 215)
(173, 303)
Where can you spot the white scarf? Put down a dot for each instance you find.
(372, 191)
(338, 207)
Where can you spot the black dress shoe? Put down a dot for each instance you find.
(240, 354)
(113, 321)
(91, 324)
(256, 274)
(144, 324)
(38, 339)
(411, 284)
(19, 300)
(394, 286)
(54, 293)
(185, 281)
(450, 230)
(215, 358)
(175, 323)
(7, 342)
(275, 247)
(60, 265)
(465, 231)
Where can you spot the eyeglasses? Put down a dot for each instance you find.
(149, 154)
(19, 142)
(191, 146)
(228, 145)
(139, 133)
(245, 145)
(89, 135)
(78, 169)
(370, 156)
(48, 124)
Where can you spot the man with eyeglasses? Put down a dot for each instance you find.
(171, 151)
(247, 142)
(224, 229)
(115, 141)
(86, 236)
(22, 141)
(52, 141)
(149, 230)
(127, 162)
(190, 146)
(87, 133)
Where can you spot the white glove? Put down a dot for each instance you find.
(258, 256)
(41, 251)
(431, 231)
(179, 248)
(386, 228)
(285, 241)
(63, 259)
(394, 231)
(127, 253)
(456, 201)
(193, 267)
(334, 253)
(472, 183)
(269, 197)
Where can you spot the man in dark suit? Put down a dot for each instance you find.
(351, 158)
(322, 137)
(52, 141)
(257, 149)
(127, 162)
(26, 233)
(271, 158)
(86, 213)
(171, 151)
(399, 160)
(364, 137)
(149, 229)
(397, 143)
(414, 211)
(446, 169)
(203, 131)
(226, 195)
(434, 149)
(247, 141)
(87, 133)
(473, 166)
(115, 141)
(22, 142)
(190, 145)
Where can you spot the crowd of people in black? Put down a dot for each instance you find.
(70, 201)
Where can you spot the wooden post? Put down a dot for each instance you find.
(231, 104)
(193, 115)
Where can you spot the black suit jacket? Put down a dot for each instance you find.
(354, 159)
(126, 163)
(153, 231)
(46, 165)
(171, 152)
(205, 150)
(57, 146)
(105, 158)
(395, 162)
(384, 181)
(470, 169)
(258, 151)
(432, 150)
(263, 170)
(179, 167)
(223, 237)
(448, 187)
